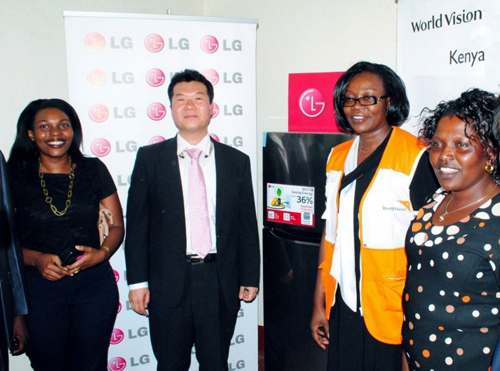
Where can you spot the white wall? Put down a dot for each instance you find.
(293, 36)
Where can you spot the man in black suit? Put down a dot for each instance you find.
(13, 304)
(191, 298)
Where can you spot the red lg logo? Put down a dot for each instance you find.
(157, 111)
(215, 137)
(119, 307)
(155, 77)
(156, 139)
(95, 42)
(97, 77)
(100, 147)
(209, 44)
(154, 43)
(98, 113)
(117, 336)
(215, 110)
(311, 103)
(117, 275)
(212, 76)
(117, 364)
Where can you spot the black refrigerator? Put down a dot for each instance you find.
(294, 179)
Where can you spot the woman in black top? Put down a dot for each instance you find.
(56, 194)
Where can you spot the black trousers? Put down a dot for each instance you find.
(71, 320)
(201, 318)
(353, 348)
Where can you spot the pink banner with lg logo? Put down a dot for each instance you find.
(310, 102)
(119, 68)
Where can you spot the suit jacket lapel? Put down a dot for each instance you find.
(170, 176)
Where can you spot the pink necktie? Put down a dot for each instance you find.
(201, 240)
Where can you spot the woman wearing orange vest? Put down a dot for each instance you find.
(375, 184)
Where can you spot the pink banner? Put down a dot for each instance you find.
(310, 102)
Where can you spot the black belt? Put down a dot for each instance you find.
(195, 259)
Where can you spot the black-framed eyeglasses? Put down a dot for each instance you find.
(368, 100)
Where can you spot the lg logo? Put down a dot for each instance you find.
(211, 75)
(117, 275)
(311, 103)
(117, 364)
(100, 147)
(240, 365)
(98, 113)
(209, 44)
(215, 110)
(235, 142)
(97, 77)
(154, 43)
(156, 139)
(95, 42)
(123, 43)
(236, 110)
(125, 78)
(157, 111)
(155, 77)
(117, 336)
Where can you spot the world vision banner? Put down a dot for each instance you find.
(119, 68)
(446, 47)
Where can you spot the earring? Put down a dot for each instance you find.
(489, 168)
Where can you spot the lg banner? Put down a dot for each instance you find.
(119, 68)
(446, 47)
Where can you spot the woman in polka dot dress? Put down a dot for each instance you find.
(452, 294)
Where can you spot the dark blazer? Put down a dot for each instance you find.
(12, 284)
(155, 247)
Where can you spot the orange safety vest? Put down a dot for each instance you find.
(385, 213)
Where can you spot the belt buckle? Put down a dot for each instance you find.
(196, 260)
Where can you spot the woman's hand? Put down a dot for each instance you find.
(21, 333)
(90, 258)
(48, 265)
(319, 327)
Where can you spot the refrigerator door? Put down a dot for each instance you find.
(290, 268)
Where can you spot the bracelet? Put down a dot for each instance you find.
(107, 250)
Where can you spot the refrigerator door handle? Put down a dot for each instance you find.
(290, 238)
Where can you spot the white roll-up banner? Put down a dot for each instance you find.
(446, 47)
(119, 68)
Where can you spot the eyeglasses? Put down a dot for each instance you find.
(368, 100)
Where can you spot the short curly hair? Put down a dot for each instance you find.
(476, 108)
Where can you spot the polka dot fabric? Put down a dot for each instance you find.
(451, 299)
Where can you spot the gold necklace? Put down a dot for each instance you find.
(446, 212)
(48, 199)
(365, 151)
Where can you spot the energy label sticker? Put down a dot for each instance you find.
(289, 204)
